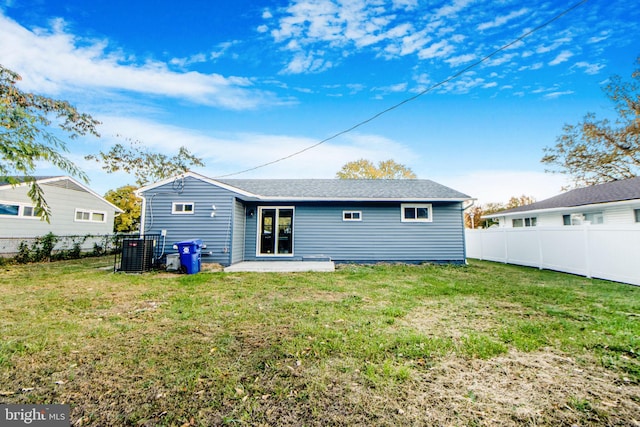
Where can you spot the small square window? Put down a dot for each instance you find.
(351, 216)
(636, 212)
(517, 222)
(182, 208)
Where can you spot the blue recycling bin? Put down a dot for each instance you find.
(190, 255)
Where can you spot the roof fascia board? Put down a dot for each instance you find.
(354, 199)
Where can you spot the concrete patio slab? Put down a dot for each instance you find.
(281, 266)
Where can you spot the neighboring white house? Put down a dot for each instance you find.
(75, 209)
(612, 203)
(592, 231)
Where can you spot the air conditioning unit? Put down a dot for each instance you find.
(137, 255)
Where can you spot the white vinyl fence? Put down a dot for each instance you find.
(598, 251)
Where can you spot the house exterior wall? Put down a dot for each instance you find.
(231, 235)
(319, 229)
(613, 214)
(238, 238)
(63, 203)
(214, 231)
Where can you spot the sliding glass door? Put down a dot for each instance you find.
(275, 234)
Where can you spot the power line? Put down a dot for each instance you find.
(416, 96)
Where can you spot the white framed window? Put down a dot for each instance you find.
(17, 209)
(583, 218)
(86, 215)
(352, 215)
(524, 222)
(418, 212)
(183, 208)
(636, 213)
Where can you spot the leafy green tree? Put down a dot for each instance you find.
(596, 151)
(365, 169)
(146, 165)
(125, 198)
(515, 202)
(27, 137)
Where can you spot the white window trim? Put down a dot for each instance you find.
(182, 212)
(21, 207)
(531, 219)
(352, 219)
(91, 213)
(428, 206)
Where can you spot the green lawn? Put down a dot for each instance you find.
(483, 344)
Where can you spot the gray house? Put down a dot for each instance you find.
(75, 209)
(298, 219)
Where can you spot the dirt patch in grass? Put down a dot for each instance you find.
(540, 388)
(443, 319)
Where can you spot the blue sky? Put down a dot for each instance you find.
(244, 83)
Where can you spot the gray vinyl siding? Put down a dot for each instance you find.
(237, 247)
(215, 232)
(63, 203)
(381, 236)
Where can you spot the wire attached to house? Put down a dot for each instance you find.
(416, 96)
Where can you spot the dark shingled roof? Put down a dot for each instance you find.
(340, 189)
(616, 191)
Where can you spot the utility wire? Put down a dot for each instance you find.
(416, 96)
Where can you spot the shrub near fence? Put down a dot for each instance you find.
(50, 246)
(599, 251)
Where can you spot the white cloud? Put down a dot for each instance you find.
(53, 60)
(604, 35)
(558, 94)
(461, 59)
(589, 68)
(405, 4)
(234, 152)
(452, 9)
(561, 57)
(436, 50)
(501, 20)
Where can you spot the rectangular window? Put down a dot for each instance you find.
(17, 209)
(525, 222)
(636, 212)
(351, 216)
(594, 217)
(183, 208)
(416, 212)
(580, 218)
(85, 215)
(11, 210)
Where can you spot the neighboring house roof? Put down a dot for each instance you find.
(615, 191)
(332, 189)
(57, 181)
